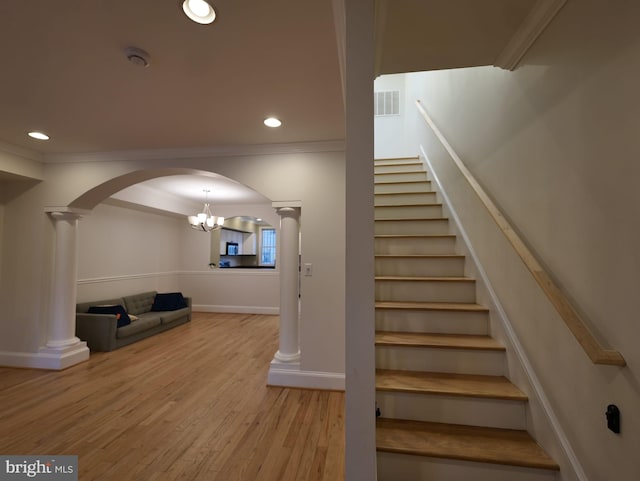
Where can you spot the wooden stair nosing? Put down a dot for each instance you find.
(432, 306)
(449, 384)
(467, 443)
(472, 342)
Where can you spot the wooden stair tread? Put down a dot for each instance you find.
(382, 194)
(405, 219)
(415, 236)
(386, 159)
(423, 181)
(470, 385)
(425, 279)
(432, 306)
(420, 256)
(413, 204)
(467, 443)
(444, 341)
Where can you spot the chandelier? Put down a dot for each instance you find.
(205, 221)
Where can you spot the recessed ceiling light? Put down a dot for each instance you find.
(38, 135)
(272, 122)
(200, 11)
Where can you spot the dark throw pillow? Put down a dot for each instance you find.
(169, 301)
(121, 315)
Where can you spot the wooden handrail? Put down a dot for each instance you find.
(572, 319)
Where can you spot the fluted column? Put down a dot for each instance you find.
(63, 348)
(289, 349)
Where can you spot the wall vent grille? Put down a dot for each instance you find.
(386, 103)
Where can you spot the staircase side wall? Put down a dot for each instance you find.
(555, 145)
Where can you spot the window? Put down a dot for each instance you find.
(268, 247)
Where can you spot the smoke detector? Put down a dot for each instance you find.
(137, 56)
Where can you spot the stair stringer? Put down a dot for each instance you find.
(541, 420)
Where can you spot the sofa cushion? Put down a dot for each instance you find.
(169, 301)
(121, 315)
(168, 317)
(142, 324)
(139, 303)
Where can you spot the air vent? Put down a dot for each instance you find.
(386, 103)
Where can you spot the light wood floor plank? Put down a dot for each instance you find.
(189, 404)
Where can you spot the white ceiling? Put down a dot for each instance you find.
(63, 70)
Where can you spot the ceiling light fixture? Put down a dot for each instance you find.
(200, 11)
(272, 122)
(205, 221)
(38, 135)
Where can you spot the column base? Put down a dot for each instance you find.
(286, 358)
(63, 355)
(289, 374)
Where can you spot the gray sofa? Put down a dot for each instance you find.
(101, 331)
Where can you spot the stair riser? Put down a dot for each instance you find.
(408, 212)
(459, 361)
(419, 266)
(405, 467)
(384, 188)
(406, 198)
(416, 245)
(412, 227)
(399, 167)
(431, 291)
(441, 322)
(497, 413)
(401, 176)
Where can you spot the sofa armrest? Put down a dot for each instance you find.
(98, 330)
(188, 299)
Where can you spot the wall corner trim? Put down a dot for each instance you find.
(540, 16)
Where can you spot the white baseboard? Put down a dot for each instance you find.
(236, 309)
(46, 358)
(290, 375)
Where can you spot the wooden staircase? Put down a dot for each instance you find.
(447, 411)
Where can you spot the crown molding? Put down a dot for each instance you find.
(540, 16)
(199, 152)
(20, 151)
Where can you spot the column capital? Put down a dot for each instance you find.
(288, 211)
(66, 213)
(280, 204)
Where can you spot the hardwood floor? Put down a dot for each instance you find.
(188, 404)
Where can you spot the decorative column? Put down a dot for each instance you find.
(289, 350)
(63, 348)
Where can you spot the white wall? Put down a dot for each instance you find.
(314, 177)
(555, 144)
(392, 135)
(123, 251)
